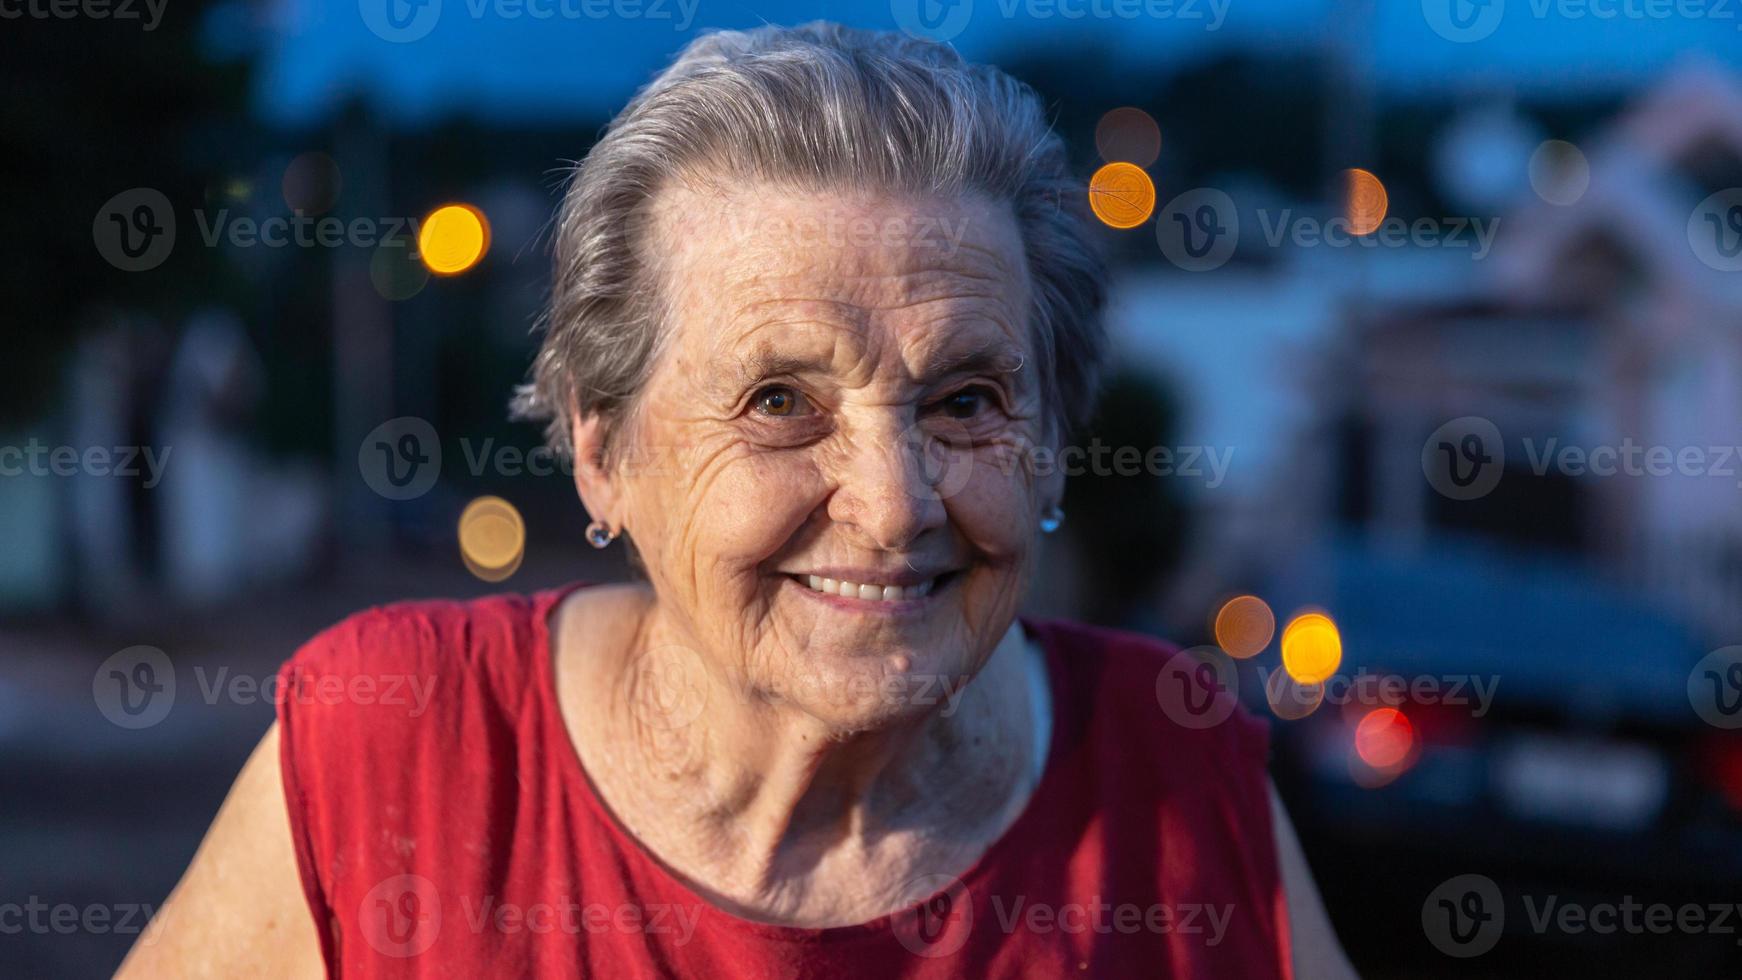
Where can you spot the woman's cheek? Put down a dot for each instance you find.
(754, 504)
(996, 510)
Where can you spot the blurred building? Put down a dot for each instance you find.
(1595, 335)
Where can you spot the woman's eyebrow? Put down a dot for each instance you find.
(997, 356)
(766, 363)
(993, 357)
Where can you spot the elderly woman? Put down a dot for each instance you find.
(819, 297)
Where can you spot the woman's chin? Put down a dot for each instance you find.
(848, 690)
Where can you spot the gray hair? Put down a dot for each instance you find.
(820, 105)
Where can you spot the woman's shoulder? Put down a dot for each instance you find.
(399, 659)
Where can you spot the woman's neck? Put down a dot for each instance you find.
(763, 808)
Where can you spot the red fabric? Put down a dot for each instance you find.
(444, 828)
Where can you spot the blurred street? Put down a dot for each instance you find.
(1422, 429)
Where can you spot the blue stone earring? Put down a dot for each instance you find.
(1050, 521)
(600, 536)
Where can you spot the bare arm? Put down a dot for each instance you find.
(239, 909)
(1317, 954)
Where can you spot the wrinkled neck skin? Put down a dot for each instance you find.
(761, 808)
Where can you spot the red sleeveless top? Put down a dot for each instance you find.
(444, 827)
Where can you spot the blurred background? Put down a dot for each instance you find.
(1429, 351)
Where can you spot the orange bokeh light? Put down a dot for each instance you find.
(1365, 201)
(492, 538)
(1289, 700)
(1128, 134)
(453, 238)
(1121, 195)
(1244, 626)
(1312, 648)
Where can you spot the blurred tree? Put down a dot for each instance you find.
(94, 107)
(1128, 529)
(1240, 113)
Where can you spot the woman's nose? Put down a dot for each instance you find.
(893, 482)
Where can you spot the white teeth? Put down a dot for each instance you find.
(875, 593)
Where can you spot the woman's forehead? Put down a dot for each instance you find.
(772, 283)
(848, 245)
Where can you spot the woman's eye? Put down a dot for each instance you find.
(778, 401)
(964, 404)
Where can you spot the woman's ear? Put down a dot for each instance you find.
(595, 480)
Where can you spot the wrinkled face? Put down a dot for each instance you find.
(825, 472)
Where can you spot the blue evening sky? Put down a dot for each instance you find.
(492, 57)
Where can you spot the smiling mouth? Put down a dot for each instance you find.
(871, 592)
